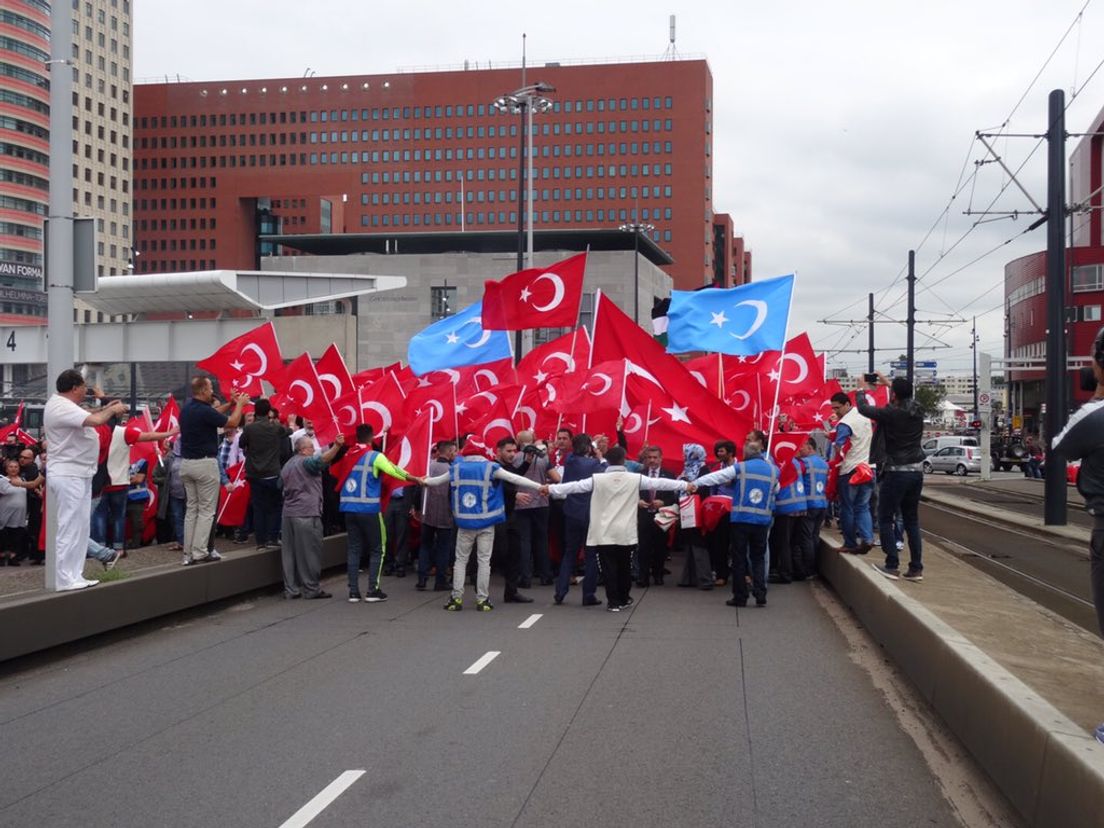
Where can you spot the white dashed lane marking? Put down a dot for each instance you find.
(483, 661)
(325, 797)
(530, 621)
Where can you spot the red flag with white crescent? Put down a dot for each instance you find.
(244, 361)
(539, 297)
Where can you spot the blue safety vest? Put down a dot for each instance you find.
(362, 488)
(753, 501)
(792, 499)
(816, 481)
(477, 499)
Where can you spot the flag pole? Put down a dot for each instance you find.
(237, 477)
(781, 366)
(647, 422)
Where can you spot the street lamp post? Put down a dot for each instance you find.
(636, 228)
(524, 102)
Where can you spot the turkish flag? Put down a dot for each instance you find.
(16, 428)
(308, 396)
(243, 362)
(380, 405)
(496, 424)
(151, 454)
(567, 353)
(797, 369)
(474, 408)
(601, 388)
(531, 414)
(670, 423)
(234, 503)
(546, 297)
(334, 373)
(784, 446)
(709, 371)
(170, 415)
(411, 451)
(616, 336)
(486, 376)
(715, 509)
(877, 397)
(344, 465)
(438, 398)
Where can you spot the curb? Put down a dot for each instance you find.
(1050, 769)
(48, 619)
(961, 504)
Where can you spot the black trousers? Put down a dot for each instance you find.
(616, 564)
(719, 543)
(781, 546)
(806, 539)
(506, 553)
(749, 551)
(652, 547)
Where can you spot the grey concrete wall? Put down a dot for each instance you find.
(387, 320)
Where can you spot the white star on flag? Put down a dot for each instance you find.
(451, 338)
(461, 408)
(677, 413)
(775, 374)
(525, 294)
(237, 365)
(540, 376)
(818, 417)
(718, 319)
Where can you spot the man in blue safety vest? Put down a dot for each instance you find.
(755, 483)
(815, 475)
(789, 510)
(478, 505)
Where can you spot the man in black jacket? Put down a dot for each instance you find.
(266, 447)
(652, 541)
(902, 426)
(1083, 439)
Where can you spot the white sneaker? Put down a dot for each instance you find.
(212, 555)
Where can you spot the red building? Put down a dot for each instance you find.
(220, 165)
(1025, 285)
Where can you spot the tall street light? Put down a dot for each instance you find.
(636, 228)
(524, 102)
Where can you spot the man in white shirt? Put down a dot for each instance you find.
(74, 454)
(615, 496)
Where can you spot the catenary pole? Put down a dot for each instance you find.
(1054, 510)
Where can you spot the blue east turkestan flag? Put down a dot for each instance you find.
(456, 341)
(741, 321)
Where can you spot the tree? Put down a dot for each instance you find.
(929, 398)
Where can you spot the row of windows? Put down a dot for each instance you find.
(10, 44)
(24, 23)
(24, 257)
(504, 196)
(165, 225)
(27, 154)
(25, 102)
(19, 125)
(25, 75)
(404, 135)
(9, 228)
(100, 156)
(101, 133)
(101, 87)
(24, 179)
(23, 205)
(100, 13)
(171, 204)
(502, 217)
(174, 265)
(101, 109)
(173, 245)
(394, 113)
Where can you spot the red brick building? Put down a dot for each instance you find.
(220, 165)
(1025, 284)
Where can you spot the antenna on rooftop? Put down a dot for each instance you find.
(672, 50)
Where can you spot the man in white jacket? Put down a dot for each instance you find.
(614, 497)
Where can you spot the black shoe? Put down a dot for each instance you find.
(375, 596)
(591, 602)
(558, 599)
(628, 603)
(736, 602)
(354, 597)
(441, 587)
(612, 608)
(421, 585)
(517, 598)
(320, 594)
(760, 600)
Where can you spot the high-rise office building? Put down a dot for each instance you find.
(101, 56)
(220, 165)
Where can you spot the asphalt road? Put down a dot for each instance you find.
(681, 712)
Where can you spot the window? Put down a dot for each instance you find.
(1087, 278)
(442, 300)
(1090, 313)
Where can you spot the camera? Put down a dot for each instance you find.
(533, 450)
(870, 378)
(1087, 379)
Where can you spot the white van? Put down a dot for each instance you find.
(934, 444)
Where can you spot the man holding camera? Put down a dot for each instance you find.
(531, 512)
(902, 474)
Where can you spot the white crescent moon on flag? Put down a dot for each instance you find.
(698, 376)
(405, 453)
(531, 414)
(349, 420)
(489, 375)
(488, 396)
(551, 389)
(567, 359)
(478, 320)
(557, 295)
(379, 408)
(787, 444)
(802, 368)
(501, 422)
(632, 368)
(332, 381)
(747, 400)
(308, 392)
(639, 424)
(262, 360)
(608, 383)
(436, 410)
(760, 317)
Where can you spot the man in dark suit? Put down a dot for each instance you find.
(652, 548)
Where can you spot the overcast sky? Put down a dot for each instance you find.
(841, 129)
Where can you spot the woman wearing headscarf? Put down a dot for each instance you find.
(697, 570)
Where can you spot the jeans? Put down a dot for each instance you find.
(749, 549)
(364, 538)
(110, 510)
(267, 503)
(98, 551)
(434, 551)
(532, 527)
(856, 523)
(176, 509)
(575, 532)
(901, 491)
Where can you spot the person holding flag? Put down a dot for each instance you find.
(814, 471)
(360, 501)
(755, 481)
(301, 555)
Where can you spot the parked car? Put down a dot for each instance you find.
(1008, 454)
(934, 444)
(960, 460)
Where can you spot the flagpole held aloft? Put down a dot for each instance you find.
(781, 365)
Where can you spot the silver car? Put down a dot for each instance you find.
(960, 460)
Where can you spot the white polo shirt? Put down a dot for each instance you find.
(74, 448)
